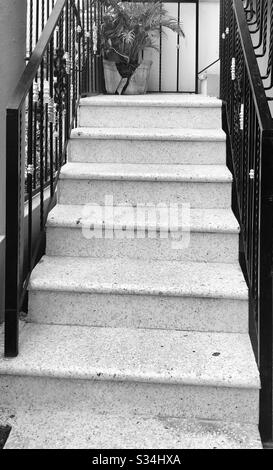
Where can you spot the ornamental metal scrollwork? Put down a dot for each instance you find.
(60, 81)
(237, 70)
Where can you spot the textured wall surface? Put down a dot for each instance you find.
(12, 40)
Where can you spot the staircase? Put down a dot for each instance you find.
(132, 341)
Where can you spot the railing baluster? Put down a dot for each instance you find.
(41, 145)
(14, 224)
(51, 116)
(37, 21)
(30, 174)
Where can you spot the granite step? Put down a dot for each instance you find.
(206, 235)
(200, 186)
(152, 111)
(139, 294)
(147, 145)
(174, 374)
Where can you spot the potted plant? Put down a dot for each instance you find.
(128, 28)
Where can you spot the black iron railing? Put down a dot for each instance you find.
(38, 12)
(87, 15)
(249, 127)
(259, 14)
(63, 66)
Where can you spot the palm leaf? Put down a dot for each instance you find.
(128, 27)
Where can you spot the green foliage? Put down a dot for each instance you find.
(130, 27)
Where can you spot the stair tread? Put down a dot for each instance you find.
(153, 99)
(202, 135)
(146, 172)
(140, 277)
(86, 429)
(201, 220)
(143, 355)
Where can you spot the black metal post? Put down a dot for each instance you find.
(197, 47)
(266, 292)
(13, 229)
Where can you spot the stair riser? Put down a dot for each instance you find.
(150, 117)
(198, 195)
(238, 405)
(137, 151)
(195, 246)
(138, 311)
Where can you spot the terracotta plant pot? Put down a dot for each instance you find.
(137, 84)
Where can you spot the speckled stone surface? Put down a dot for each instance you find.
(141, 398)
(136, 116)
(201, 186)
(164, 111)
(149, 356)
(147, 372)
(198, 195)
(205, 220)
(210, 236)
(134, 311)
(149, 134)
(169, 278)
(146, 172)
(153, 99)
(169, 146)
(40, 429)
(201, 247)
